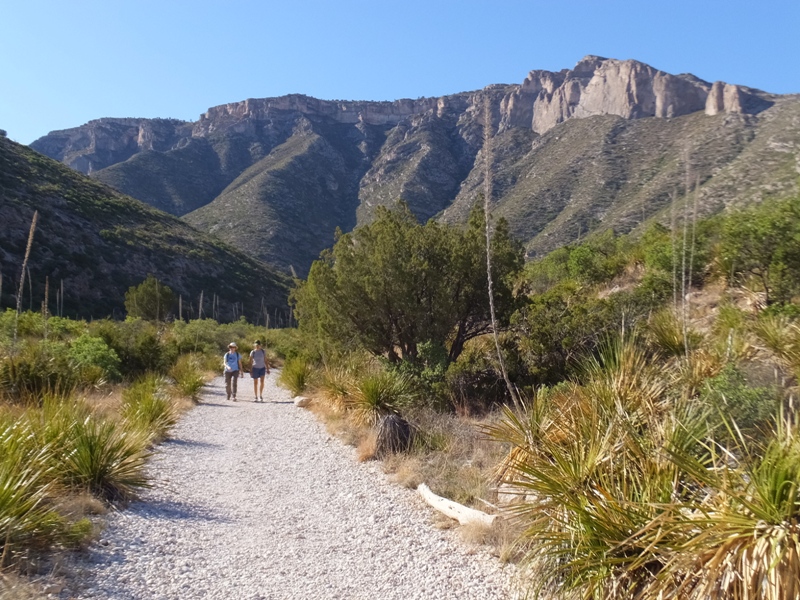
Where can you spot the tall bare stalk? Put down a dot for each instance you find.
(488, 158)
(45, 307)
(30, 290)
(21, 289)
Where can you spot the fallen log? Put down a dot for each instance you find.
(454, 510)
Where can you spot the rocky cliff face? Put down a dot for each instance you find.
(276, 176)
(104, 142)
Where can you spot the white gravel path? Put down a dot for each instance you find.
(256, 501)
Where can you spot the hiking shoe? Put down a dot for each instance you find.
(261, 398)
(234, 398)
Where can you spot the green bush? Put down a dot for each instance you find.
(749, 407)
(26, 519)
(146, 406)
(140, 345)
(382, 393)
(107, 459)
(295, 375)
(38, 368)
(188, 375)
(90, 351)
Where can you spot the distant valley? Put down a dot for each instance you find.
(603, 145)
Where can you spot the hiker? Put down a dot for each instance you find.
(232, 363)
(259, 368)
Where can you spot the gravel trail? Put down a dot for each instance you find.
(256, 501)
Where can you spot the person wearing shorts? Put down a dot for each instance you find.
(232, 365)
(259, 369)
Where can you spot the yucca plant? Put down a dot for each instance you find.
(666, 332)
(382, 393)
(589, 461)
(781, 336)
(25, 483)
(107, 459)
(147, 406)
(740, 538)
(188, 375)
(337, 385)
(295, 375)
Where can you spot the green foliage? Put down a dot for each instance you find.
(740, 403)
(150, 300)
(107, 459)
(38, 367)
(382, 393)
(89, 351)
(762, 244)
(141, 345)
(295, 375)
(147, 406)
(26, 520)
(393, 284)
(188, 375)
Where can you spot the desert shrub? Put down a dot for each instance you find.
(188, 375)
(61, 328)
(382, 393)
(88, 351)
(140, 345)
(147, 406)
(26, 519)
(746, 406)
(295, 375)
(37, 368)
(199, 336)
(666, 333)
(288, 343)
(107, 459)
(473, 383)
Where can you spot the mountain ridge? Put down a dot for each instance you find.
(429, 152)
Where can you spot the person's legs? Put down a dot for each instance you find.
(234, 382)
(255, 388)
(227, 385)
(261, 393)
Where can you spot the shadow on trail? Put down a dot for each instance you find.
(176, 511)
(189, 443)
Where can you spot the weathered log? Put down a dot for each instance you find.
(454, 510)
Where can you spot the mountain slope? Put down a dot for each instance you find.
(602, 145)
(100, 243)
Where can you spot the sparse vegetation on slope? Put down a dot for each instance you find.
(99, 243)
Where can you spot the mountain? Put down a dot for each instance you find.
(100, 242)
(605, 144)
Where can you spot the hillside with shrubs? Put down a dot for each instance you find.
(646, 444)
(633, 420)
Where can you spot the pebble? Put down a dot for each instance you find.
(256, 501)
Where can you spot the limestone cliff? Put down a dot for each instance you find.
(574, 151)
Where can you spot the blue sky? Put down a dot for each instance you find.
(64, 63)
